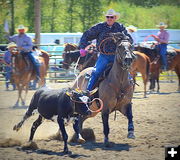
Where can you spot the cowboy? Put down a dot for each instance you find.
(24, 45)
(8, 62)
(162, 38)
(132, 30)
(99, 32)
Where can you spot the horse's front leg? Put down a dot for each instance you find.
(19, 94)
(105, 119)
(26, 92)
(130, 121)
(64, 134)
(77, 131)
(81, 121)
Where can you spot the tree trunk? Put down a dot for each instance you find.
(37, 11)
(12, 17)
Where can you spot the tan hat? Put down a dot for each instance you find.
(12, 44)
(111, 12)
(22, 27)
(131, 27)
(162, 24)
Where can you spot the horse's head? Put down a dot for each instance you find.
(124, 50)
(14, 51)
(69, 58)
(70, 47)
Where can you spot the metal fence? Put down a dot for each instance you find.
(58, 74)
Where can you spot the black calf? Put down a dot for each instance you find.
(67, 106)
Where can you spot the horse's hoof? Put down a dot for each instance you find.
(106, 143)
(131, 135)
(15, 128)
(81, 140)
(66, 151)
(23, 103)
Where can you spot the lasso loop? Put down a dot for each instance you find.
(103, 46)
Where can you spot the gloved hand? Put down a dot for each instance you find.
(82, 52)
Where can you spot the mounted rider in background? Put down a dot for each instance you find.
(24, 45)
(162, 38)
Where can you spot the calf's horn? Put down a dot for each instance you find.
(93, 91)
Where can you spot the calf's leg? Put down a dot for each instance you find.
(35, 125)
(77, 131)
(64, 134)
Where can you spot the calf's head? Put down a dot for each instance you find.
(82, 101)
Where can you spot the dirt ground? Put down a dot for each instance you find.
(156, 120)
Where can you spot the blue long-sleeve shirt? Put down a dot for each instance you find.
(7, 57)
(99, 32)
(22, 40)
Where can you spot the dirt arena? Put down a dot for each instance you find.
(156, 120)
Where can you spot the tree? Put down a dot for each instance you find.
(90, 13)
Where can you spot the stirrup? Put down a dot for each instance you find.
(38, 78)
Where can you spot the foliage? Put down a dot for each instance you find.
(79, 15)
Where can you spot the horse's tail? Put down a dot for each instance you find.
(148, 62)
(32, 107)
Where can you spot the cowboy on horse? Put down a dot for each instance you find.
(24, 45)
(162, 39)
(100, 32)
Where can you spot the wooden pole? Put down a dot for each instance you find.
(37, 25)
(12, 17)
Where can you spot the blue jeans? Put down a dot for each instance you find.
(163, 49)
(8, 71)
(35, 63)
(101, 64)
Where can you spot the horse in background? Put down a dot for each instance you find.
(70, 47)
(155, 64)
(23, 72)
(74, 56)
(141, 64)
(174, 63)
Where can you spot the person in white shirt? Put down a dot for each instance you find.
(132, 30)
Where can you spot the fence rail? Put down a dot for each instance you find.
(57, 74)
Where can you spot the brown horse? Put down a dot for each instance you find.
(116, 90)
(83, 62)
(155, 64)
(141, 64)
(70, 47)
(174, 64)
(23, 72)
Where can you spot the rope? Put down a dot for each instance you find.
(103, 51)
(101, 102)
(75, 68)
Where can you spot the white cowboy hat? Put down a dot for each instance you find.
(22, 27)
(162, 24)
(12, 44)
(131, 27)
(111, 12)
